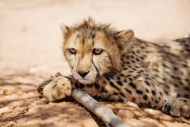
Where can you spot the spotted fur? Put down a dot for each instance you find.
(114, 65)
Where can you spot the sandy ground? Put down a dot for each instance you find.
(30, 51)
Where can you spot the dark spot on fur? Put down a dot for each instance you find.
(153, 92)
(137, 76)
(128, 90)
(139, 92)
(103, 90)
(121, 75)
(97, 86)
(107, 77)
(137, 59)
(186, 88)
(112, 84)
(133, 99)
(134, 69)
(120, 100)
(186, 96)
(147, 91)
(130, 79)
(187, 80)
(145, 97)
(184, 65)
(122, 94)
(175, 68)
(142, 57)
(114, 93)
(147, 83)
(125, 68)
(127, 63)
(120, 83)
(165, 65)
(186, 45)
(176, 85)
(132, 85)
(166, 92)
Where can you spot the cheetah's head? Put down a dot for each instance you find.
(93, 49)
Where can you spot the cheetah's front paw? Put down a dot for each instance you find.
(55, 88)
(177, 107)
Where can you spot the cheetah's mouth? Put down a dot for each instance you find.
(85, 81)
(88, 79)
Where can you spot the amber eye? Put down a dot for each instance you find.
(72, 51)
(97, 51)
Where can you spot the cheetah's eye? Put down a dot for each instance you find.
(97, 51)
(72, 51)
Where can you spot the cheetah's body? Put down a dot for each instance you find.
(151, 74)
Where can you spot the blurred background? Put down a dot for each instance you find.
(30, 36)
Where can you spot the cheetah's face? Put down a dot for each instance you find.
(92, 50)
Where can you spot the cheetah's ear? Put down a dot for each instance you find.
(65, 30)
(125, 36)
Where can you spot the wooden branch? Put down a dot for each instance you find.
(104, 113)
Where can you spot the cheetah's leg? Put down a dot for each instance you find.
(177, 107)
(56, 87)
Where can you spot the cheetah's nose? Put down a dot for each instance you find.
(83, 73)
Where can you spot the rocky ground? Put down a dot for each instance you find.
(30, 41)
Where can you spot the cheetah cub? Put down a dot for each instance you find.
(114, 65)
